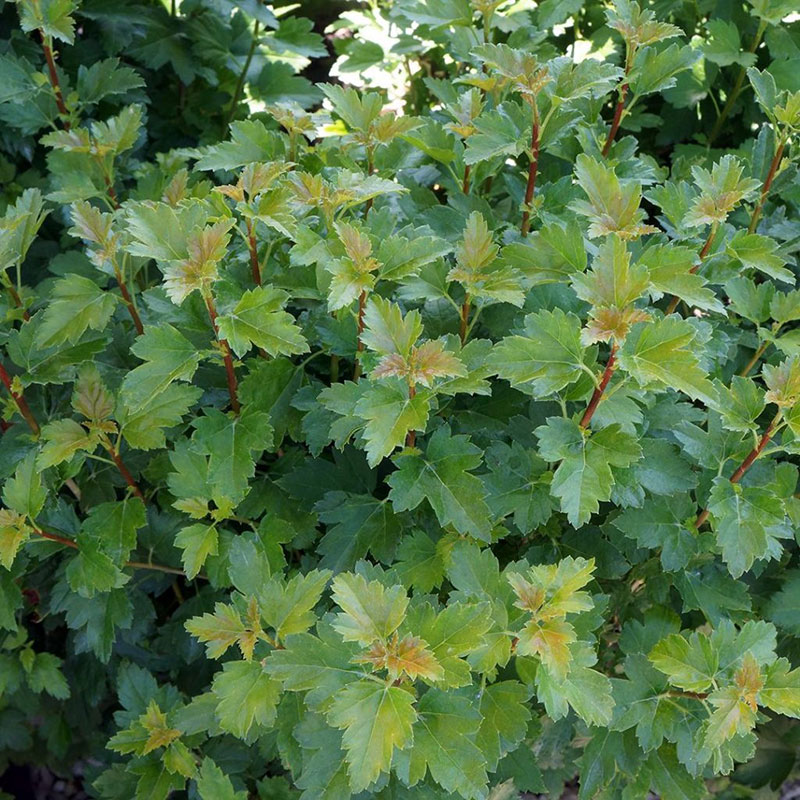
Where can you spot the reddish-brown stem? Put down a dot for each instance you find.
(757, 450)
(411, 436)
(748, 461)
(370, 170)
(532, 170)
(226, 355)
(597, 395)
(25, 411)
(53, 538)
(17, 300)
(55, 83)
(253, 248)
(618, 109)
(362, 304)
(123, 470)
(706, 247)
(462, 332)
(773, 168)
(21, 402)
(112, 195)
(465, 184)
(126, 296)
(673, 304)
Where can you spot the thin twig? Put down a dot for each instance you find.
(754, 360)
(126, 296)
(748, 461)
(597, 395)
(618, 109)
(362, 303)
(411, 436)
(242, 76)
(773, 168)
(52, 537)
(21, 402)
(533, 168)
(464, 318)
(55, 83)
(737, 88)
(252, 246)
(226, 355)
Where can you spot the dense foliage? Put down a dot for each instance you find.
(433, 438)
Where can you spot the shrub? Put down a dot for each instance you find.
(431, 440)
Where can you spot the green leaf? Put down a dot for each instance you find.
(505, 713)
(104, 79)
(232, 444)
(518, 484)
(288, 606)
(784, 605)
(613, 205)
(548, 357)
(356, 524)
(247, 698)
(358, 109)
(671, 272)
(747, 522)
(500, 133)
(112, 527)
(96, 620)
(118, 133)
(168, 355)
(659, 354)
(370, 611)
(553, 254)
(258, 319)
(45, 675)
(52, 17)
(585, 690)
(612, 281)
(766, 91)
(225, 627)
(690, 664)
(214, 784)
(24, 492)
(442, 476)
(723, 46)
(781, 691)
(92, 571)
(390, 414)
(455, 632)
(477, 268)
(665, 523)
(741, 405)
(754, 251)
(320, 666)
(670, 778)
(76, 304)
(387, 330)
(584, 477)
(198, 542)
(444, 745)
(656, 70)
(143, 429)
(377, 720)
(250, 142)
